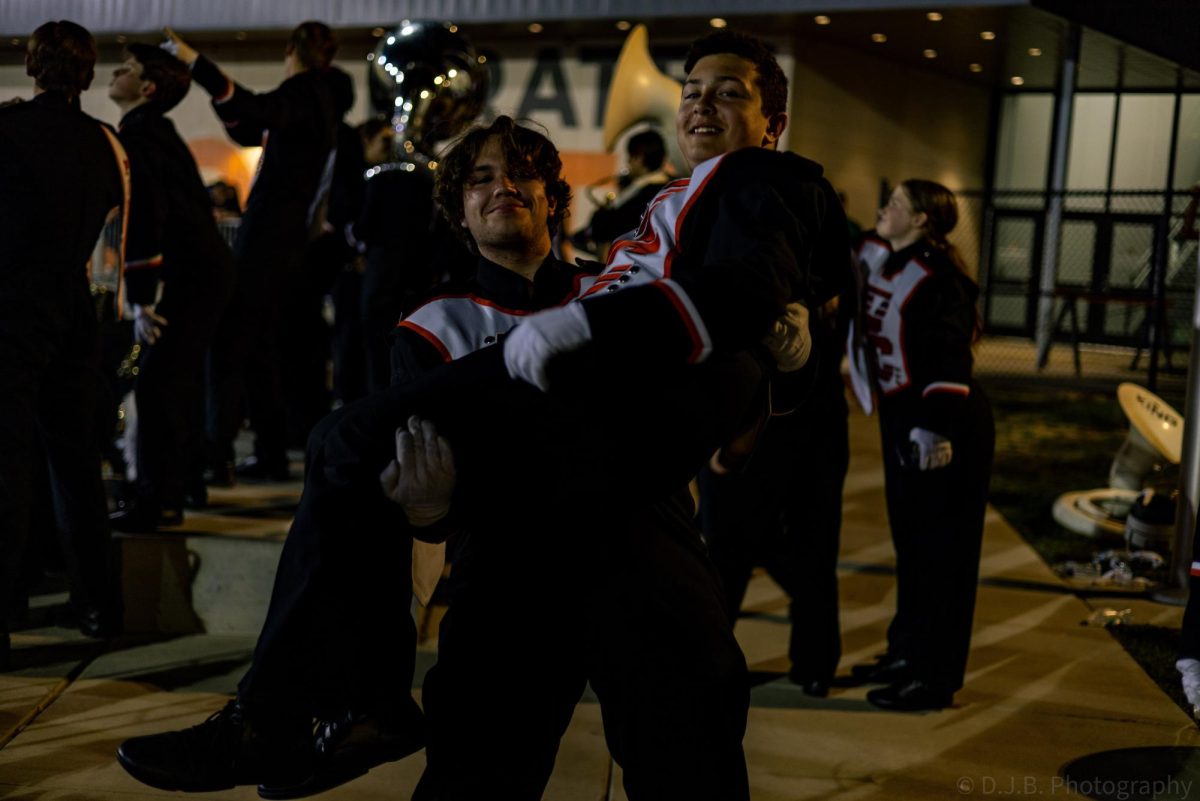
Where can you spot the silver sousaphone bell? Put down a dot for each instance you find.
(1155, 439)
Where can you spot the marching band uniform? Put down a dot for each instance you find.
(172, 237)
(58, 181)
(296, 125)
(918, 316)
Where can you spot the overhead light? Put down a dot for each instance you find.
(1017, 80)
(821, 19)
(453, 28)
(370, 56)
(717, 22)
(377, 32)
(929, 53)
(424, 94)
(624, 25)
(481, 59)
(391, 40)
(987, 36)
(122, 38)
(15, 41)
(535, 27)
(975, 67)
(879, 38)
(438, 80)
(1035, 51)
(240, 36)
(452, 73)
(933, 16)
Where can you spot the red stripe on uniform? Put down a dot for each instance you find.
(682, 214)
(429, 337)
(688, 323)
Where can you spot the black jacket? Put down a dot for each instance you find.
(172, 233)
(59, 178)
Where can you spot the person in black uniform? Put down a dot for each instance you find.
(296, 126)
(369, 715)
(620, 430)
(919, 323)
(782, 508)
(61, 175)
(173, 240)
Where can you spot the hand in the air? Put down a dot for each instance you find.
(179, 48)
(790, 341)
(147, 324)
(421, 478)
(932, 449)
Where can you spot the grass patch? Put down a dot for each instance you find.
(1048, 443)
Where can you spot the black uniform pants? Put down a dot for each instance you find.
(51, 358)
(936, 517)
(784, 512)
(517, 451)
(628, 602)
(168, 387)
(245, 375)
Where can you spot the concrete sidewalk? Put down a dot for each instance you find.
(1042, 690)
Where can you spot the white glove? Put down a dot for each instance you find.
(179, 48)
(933, 450)
(1189, 669)
(790, 341)
(529, 347)
(421, 478)
(147, 325)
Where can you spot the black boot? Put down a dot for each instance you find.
(226, 750)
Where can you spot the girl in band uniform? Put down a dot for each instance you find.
(920, 322)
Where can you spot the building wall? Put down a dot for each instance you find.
(867, 119)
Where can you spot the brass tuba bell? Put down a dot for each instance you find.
(641, 93)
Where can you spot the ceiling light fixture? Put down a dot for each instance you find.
(929, 53)
(933, 16)
(1035, 51)
(535, 27)
(717, 22)
(624, 25)
(878, 38)
(987, 36)
(975, 67)
(1017, 80)
(821, 19)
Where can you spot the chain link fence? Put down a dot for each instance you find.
(1121, 307)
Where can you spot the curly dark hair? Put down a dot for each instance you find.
(524, 149)
(61, 57)
(171, 77)
(772, 83)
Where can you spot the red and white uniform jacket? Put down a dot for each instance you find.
(717, 256)
(918, 315)
(462, 317)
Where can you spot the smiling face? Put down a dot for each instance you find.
(505, 209)
(721, 110)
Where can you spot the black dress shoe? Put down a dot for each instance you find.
(222, 752)
(349, 747)
(101, 622)
(256, 469)
(910, 696)
(817, 688)
(885, 670)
